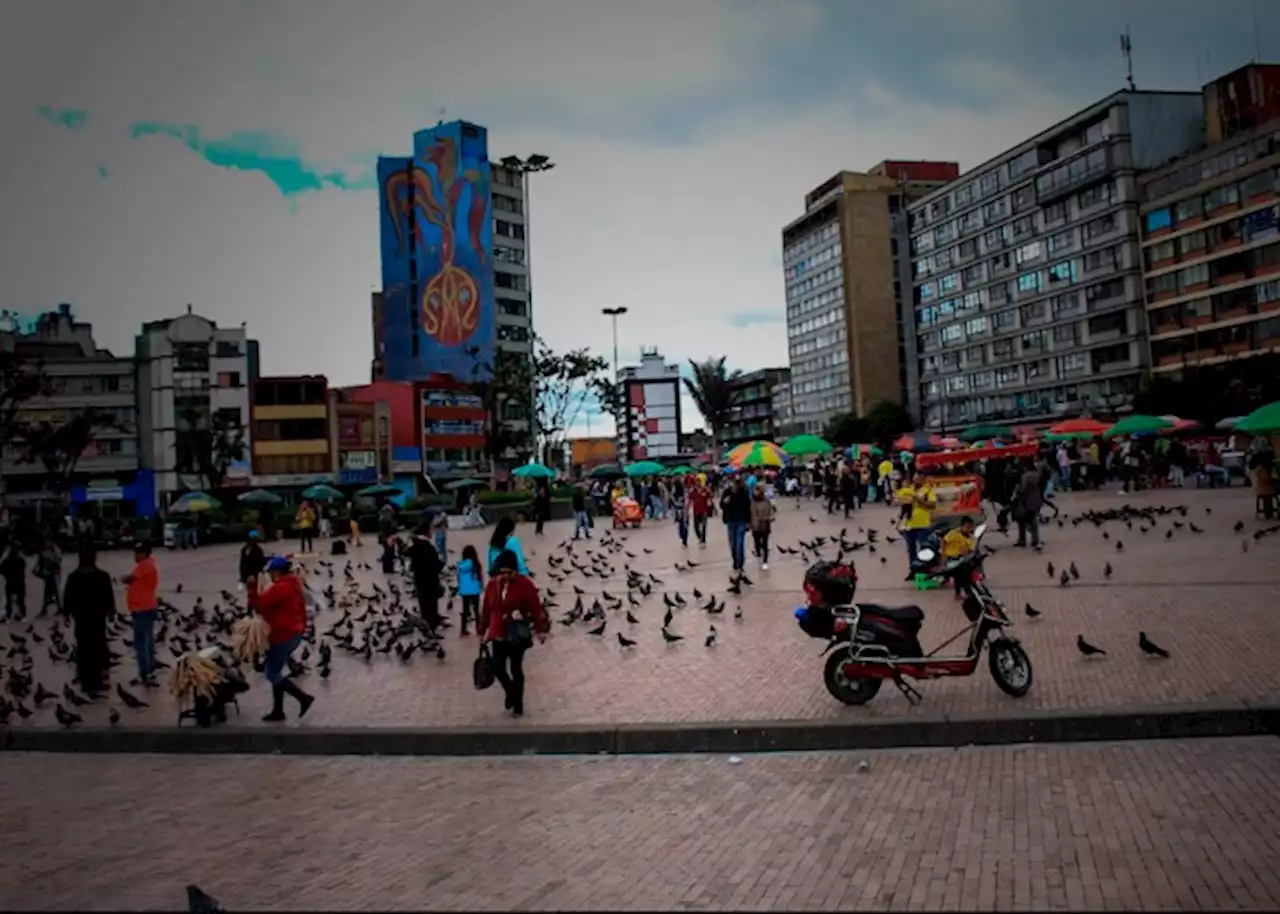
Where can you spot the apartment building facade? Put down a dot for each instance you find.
(1026, 270)
(1211, 233)
(755, 413)
(190, 372)
(844, 291)
(291, 431)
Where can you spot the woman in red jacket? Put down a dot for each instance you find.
(510, 616)
(284, 608)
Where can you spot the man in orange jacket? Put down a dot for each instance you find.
(142, 585)
(284, 607)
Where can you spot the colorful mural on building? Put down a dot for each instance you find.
(437, 255)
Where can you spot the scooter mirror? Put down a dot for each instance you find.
(926, 555)
(979, 530)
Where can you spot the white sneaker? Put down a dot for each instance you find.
(764, 566)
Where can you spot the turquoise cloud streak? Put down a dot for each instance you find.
(276, 157)
(70, 118)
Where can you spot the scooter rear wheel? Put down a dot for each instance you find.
(844, 689)
(1010, 667)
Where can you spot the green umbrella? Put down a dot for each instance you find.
(864, 450)
(379, 488)
(1138, 424)
(645, 468)
(680, 471)
(533, 471)
(606, 471)
(260, 497)
(1262, 421)
(806, 445)
(464, 484)
(983, 432)
(322, 492)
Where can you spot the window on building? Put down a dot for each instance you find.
(1195, 275)
(1029, 282)
(1005, 320)
(226, 349)
(1055, 213)
(1062, 272)
(1192, 242)
(514, 281)
(1221, 196)
(1159, 219)
(513, 307)
(229, 379)
(1103, 259)
(995, 210)
(1115, 322)
(1066, 333)
(1189, 209)
(1002, 349)
(1157, 253)
(1028, 252)
(1099, 227)
(1063, 241)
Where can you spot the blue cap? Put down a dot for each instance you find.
(277, 563)
(253, 534)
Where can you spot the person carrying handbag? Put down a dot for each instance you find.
(511, 616)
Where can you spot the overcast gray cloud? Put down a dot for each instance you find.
(164, 153)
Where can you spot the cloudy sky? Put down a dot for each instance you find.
(220, 153)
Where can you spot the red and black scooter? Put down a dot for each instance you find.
(869, 643)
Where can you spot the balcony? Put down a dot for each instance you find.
(1075, 176)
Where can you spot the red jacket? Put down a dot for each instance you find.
(284, 608)
(504, 594)
(700, 501)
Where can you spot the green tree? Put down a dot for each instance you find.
(884, 422)
(846, 428)
(59, 447)
(565, 384)
(207, 448)
(711, 388)
(1213, 392)
(505, 387)
(21, 379)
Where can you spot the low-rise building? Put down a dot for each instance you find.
(290, 431)
(360, 438)
(754, 416)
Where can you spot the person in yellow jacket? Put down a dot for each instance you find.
(884, 476)
(917, 501)
(958, 543)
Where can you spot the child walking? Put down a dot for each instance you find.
(470, 586)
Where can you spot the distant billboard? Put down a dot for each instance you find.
(437, 256)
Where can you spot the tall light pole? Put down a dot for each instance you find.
(613, 314)
(525, 167)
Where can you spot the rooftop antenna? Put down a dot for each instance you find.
(441, 113)
(1126, 48)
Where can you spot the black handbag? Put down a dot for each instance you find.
(482, 669)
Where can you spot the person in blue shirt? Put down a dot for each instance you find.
(504, 537)
(470, 586)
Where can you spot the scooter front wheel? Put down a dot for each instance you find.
(850, 691)
(1010, 667)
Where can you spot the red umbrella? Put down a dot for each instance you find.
(1181, 425)
(916, 442)
(1079, 427)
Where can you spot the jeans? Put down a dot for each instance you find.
(1064, 478)
(1029, 525)
(51, 583)
(1048, 487)
(655, 507)
(508, 668)
(761, 541)
(471, 610)
(581, 524)
(738, 544)
(144, 641)
(277, 658)
(700, 528)
(682, 528)
(442, 546)
(912, 540)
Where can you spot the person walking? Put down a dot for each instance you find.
(353, 526)
(49, 568)
(425, 567)
(142, 585)
(504, 539)
(735, 508)
(89, 602)
(680, 511)
(284, 608)
(885, 473)
(13, 568)
(470, 586)
(848, 488)
(252, 562)
(1027, 503)
(762, 514)
(700, 507)
(305, 521)
(541, 506)
(440, 533)
(511, 616)
(581, 519)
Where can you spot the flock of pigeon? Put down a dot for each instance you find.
(382, 620)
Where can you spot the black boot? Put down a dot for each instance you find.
(277, 704)
(290, 688)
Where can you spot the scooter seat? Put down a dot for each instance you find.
(906, 614)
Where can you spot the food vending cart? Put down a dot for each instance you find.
(957, 484)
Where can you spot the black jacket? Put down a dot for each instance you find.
(252, 560)
(579, 500)
(424, 562)
(735, 505)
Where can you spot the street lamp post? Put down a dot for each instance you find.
(613, 314)
(525, 167)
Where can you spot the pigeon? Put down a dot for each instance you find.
(42, 694)
(1031, 611)
(114, 717)
(65, 717)
(670, 638)
(711, 636)
(1106, 571)
(1075, 572)
(129, 700)
(737, 612)
(1119, 546)
(199, 902)
(630, 618)
(1065, 579)
(1149, 647)
(70, 695)
(625, 641)
(666, 619)
(1238, 527)
(1086, 648)
(1049, 571)
(599, 629)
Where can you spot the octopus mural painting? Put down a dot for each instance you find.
(439, 209)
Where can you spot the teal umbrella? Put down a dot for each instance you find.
(1262, 421)
(378, 489)
(323, 492)
(260, 497)
(645, 468)
(606, 471)
(464, 484)
(533, 471)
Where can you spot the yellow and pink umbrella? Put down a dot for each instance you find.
(757, 454)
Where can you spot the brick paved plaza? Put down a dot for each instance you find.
(1198, 595)
(1133, 826)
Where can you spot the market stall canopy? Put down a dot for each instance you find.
(855, 451)
(1226, 425)
(378, 489)
(260, 497)
(1138, 424)
(1076, 428)
(1262, 421)
(973, 455)
(469, 483)
(757, 454)
(920, 442)
(533, 471)
(1182, 425)
(680, 471)
(323, 492)
(806, 446)
(606, 471)
(986, 432)
(645, 468)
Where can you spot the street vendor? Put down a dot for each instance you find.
(917, 500)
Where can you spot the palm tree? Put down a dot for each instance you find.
(712, 390)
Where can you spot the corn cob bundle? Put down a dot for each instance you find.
(194, 675)
(249, 638)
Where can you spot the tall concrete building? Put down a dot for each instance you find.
(1027, 287)
(190, 371)
(1211, 232)
(757, 412)
(81, 378)
(650, 427)
(843, 276)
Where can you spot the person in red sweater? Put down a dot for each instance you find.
(700, 507)
(511, 614)
(284, 608)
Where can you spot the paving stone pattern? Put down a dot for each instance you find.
(1135, 826)
(1201, 596)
